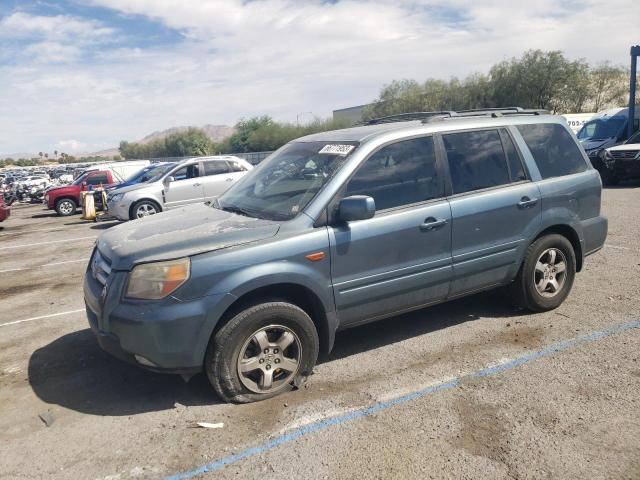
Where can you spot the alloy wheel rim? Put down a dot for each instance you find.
(145, 210)
(269, 359)
(550, 273)
(65, 207)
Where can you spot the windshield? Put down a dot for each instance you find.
(80, 179)
(602, 128)
(635, 138)
(284, 184)
(148, 173)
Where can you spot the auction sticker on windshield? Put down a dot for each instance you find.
(337, 149)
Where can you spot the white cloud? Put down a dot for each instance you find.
(71, 146)
(279, 57)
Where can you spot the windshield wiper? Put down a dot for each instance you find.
(240, 211)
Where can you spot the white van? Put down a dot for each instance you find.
(577, 120)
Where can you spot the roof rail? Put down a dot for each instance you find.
(406, 117)
(428, 117)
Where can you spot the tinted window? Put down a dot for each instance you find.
(513, 159)
(553, 149)
(399, 174)
(184, 173)
(216, 168)
(100, 178)
(476, 160)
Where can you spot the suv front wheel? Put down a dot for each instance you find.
(261, 352)
(546, 276)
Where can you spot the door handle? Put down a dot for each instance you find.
(526, 202)
(431, 223)
(197, 184)
(229, 180)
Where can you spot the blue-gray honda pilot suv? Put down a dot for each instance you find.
(341, 228)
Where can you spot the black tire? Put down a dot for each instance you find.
(525, 291)
(226, 345)
(142, 203)
(66, 207)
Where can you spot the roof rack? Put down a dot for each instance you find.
(406, 117)
(428, 117)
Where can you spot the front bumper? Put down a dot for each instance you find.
(120, 210)
(170, 335)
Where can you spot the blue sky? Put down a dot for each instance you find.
(81, 75)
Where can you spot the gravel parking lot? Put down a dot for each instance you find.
(470, 389)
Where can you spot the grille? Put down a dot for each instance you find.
(624, 154)
(100, 267)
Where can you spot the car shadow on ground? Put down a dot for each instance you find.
(74, 373)
(635, 183)
(44, 215)
(492, 304)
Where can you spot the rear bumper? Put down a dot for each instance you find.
(594, 232)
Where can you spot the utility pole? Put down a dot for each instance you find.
(635, 53)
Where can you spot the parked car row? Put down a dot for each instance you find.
(334, 230)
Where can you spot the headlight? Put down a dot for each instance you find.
(152, 281)
(116, 197)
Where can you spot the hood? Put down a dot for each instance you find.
(131, 187)
(179, 233)
(590, 145)
(62, 187)
(625, 147)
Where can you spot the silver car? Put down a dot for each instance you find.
(192, 180)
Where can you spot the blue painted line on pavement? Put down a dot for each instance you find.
(378, 407)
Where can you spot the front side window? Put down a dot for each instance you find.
(476, 160)
(399, 174)
(187, 172)
(553, 149)
(281, 186)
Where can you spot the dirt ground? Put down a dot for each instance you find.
(468, 389)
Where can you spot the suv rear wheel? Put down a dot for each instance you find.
(261, 352)
(66, 207)
(546, 276)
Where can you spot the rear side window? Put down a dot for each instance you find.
(553, 149)
(216, 168)
(236, 166)
(399, 174)
(476, 160)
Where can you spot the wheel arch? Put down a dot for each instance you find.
(570, 234)
(294, 293)
(144, 199)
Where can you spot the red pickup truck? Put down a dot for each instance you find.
(65, 200)
(5, 210)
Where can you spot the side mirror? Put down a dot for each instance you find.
(356, 207)
(169, 179)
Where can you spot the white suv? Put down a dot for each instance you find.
(193, 180)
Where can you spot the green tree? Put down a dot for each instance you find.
(608, 86)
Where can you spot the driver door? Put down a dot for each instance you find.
(186, 187)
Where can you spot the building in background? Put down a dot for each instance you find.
(353, 114)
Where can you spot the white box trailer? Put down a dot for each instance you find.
(577, 120)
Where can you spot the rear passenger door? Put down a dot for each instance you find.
(217, 178)
(495, 207)
(401, 258)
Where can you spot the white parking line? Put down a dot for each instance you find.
(616, 247)
(15, 322)
(42, 266)
(47, 243)
(15, 232)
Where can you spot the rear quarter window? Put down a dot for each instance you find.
(553, 149)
